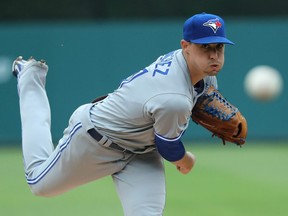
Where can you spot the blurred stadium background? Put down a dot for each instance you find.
(91, 45)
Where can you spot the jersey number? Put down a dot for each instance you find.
(161, 67)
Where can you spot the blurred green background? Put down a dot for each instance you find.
(226, 180)
(90, 46)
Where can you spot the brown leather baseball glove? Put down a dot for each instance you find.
(216, 114)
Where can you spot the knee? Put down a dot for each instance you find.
(40, 191)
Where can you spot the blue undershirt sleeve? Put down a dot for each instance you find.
(170, 149)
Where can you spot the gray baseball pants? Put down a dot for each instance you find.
(78, 158)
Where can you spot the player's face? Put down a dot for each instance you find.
(207, 59)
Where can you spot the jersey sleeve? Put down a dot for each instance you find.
(171, 115)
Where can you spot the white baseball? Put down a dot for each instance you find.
(263, 83)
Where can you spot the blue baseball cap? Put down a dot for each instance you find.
(205, 29)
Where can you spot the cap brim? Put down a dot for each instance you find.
(211, 40)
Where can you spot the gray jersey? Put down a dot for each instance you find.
(156, 100)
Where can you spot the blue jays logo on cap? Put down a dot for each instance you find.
(214, 24)
(197, 29)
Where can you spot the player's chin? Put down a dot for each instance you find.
(213, 73)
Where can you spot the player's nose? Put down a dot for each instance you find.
(214, 54)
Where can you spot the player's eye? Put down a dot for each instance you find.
(219, 46)
(211, 47)
(205, 46)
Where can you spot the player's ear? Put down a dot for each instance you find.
(184, 44)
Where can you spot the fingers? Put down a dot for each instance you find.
(187, 164)
(183, 170)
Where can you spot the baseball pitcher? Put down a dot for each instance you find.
(128, 133)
